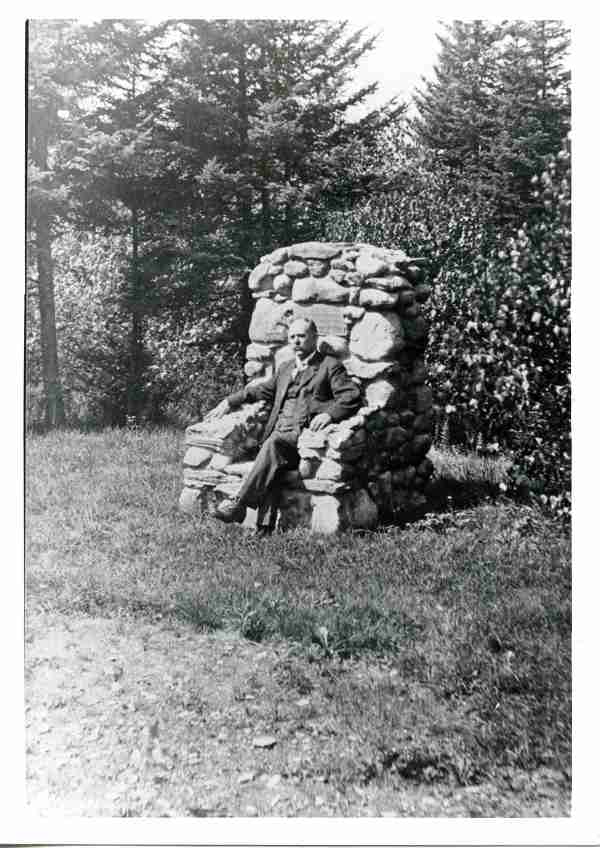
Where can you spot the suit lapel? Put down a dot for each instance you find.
(285, 380)
(310, 370)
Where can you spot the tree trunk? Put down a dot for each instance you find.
(245, 240)
(55, 410)
(135, 389)
(265, 207)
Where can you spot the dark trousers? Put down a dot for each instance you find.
(277, 455)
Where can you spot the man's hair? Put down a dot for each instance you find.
(308, 323)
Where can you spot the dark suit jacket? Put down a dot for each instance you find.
(324, 387)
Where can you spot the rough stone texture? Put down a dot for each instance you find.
(377, 299)
(317, 267)
(295, 268)
(329, 469)
(377, 336)
(284, 354)
(277, 257)
(258, 351)
(331, 292)
(268, 322)
(196, 457)
(230, 434)
(324, 290)
(326, 517)
(238, 469)
(381, 393)
(253, 368)
(188, 500)
(314, 250)
(333, 346)
(370, 266)
(391, 283)
(353, 313)
(261, 278)
(328, 318)
(368, 370)
(367, 304)
(282, 284)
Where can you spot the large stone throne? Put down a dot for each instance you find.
(372, 468)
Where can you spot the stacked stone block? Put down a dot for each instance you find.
(366, 302)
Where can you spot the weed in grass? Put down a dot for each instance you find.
(203, 616)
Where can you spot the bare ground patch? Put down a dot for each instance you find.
(126, 718)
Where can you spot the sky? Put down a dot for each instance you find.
(403, 54)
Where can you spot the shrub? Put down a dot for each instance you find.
(499, 343)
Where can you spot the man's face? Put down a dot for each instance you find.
(302, 339)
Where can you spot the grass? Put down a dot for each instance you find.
(456, 628)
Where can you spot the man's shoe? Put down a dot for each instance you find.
(230, 510)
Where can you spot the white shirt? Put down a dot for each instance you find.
(302, 364)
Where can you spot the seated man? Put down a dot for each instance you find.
(312, 390)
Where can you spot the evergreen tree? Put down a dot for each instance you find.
(456, 110)
(266, 118)
(122, 168)
(533, 111)
(49, 61)
(498, 106)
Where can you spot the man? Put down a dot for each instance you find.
(311, 390)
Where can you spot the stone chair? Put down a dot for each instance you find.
(371, 468)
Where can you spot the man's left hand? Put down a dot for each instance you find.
(319, 421)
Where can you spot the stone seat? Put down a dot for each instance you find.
(367, 303)
(339, 484)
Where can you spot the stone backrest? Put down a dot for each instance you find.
(366, 302)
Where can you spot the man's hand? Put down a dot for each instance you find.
(319, 421)
(218, 412)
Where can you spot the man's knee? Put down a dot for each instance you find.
(283, 440)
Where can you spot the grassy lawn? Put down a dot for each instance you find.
(461, 622)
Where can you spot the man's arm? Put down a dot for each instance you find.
(250, 393)
(253, 392)
(346, 397)
(346, 394)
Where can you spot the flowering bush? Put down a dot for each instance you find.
(499, 344)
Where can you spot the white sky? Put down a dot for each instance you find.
(403, 54)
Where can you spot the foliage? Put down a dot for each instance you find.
(192, 354)
(199, 145)
(465, 626)
(484, 196)
(499, 344)
(91, 326)
(50, 59)
(498, 105)
(263, 115)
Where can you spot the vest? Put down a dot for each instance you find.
(293, 414)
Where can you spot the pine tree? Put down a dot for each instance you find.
(266, 114)
(456, 111)
(121, 167)
(533, 110)
(498, 106)
(50, 62)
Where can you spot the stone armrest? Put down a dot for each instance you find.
(234, 436)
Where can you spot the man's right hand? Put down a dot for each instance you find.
(218, 412)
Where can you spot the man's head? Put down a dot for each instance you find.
(302, 336)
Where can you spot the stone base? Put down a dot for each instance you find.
(320, 513)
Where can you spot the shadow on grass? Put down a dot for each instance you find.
(461, 481)
(444, 495)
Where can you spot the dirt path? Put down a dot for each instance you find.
(132, 719)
